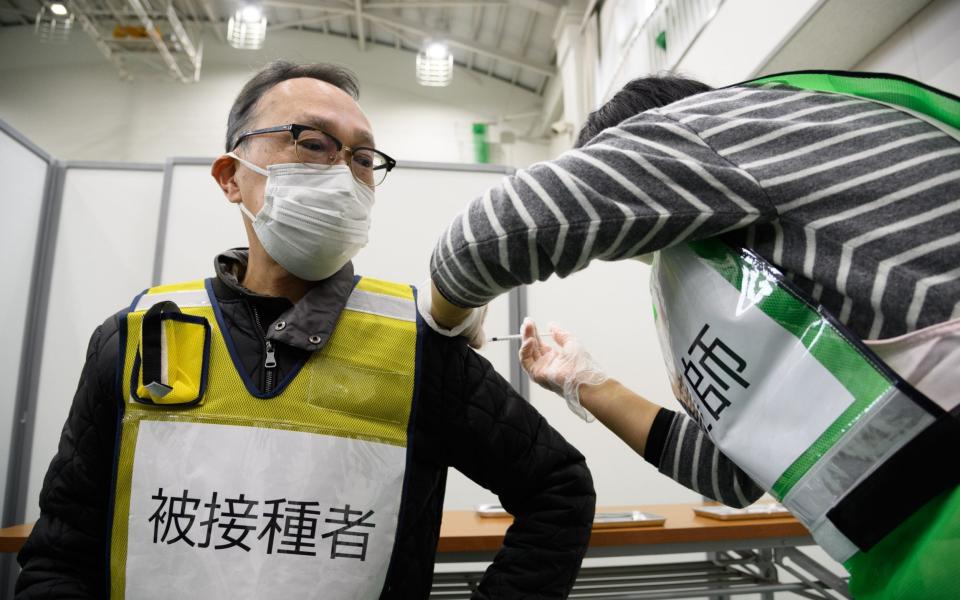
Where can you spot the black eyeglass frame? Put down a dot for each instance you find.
(296, 129)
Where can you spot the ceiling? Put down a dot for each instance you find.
(510, 40)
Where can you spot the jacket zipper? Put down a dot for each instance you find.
(270, 360)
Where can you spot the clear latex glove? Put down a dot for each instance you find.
(562, 369)
(470, 328)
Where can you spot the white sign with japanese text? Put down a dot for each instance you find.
(235, 512)
(756, 389)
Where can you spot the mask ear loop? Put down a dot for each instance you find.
(247, 212)
(249, 165)
(255, 169)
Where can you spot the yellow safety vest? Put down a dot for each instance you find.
(221, 492)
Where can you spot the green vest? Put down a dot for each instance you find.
(808, 411)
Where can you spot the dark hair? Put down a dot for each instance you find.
(639, 95)
(241, 113)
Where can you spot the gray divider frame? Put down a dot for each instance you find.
(517, 296)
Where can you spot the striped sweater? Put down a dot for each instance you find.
(856, 201)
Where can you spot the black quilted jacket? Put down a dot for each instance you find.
(468, 418)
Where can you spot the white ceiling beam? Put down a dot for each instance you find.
(550, 8)
(552, 94)
(361, 35)
(454, 40)
(543, 85)
(525, 41)
(401, 36)
(478, 14)
(301, 22)
(501, 20)
(192, 9)
(431, 4)
(343, 10)
(528, 34)
(15, 8)
(214, 21)
(116, 13)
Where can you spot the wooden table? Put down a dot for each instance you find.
(12, 538)
(463, 532)
(742, 557)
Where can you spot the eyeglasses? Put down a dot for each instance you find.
(316, 147)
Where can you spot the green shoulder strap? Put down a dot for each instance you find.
(891, 89)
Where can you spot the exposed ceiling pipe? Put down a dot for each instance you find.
(361, 35)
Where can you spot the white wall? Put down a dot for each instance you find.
(740, 38)
(70, 101)
(926, 48)
(608, 307)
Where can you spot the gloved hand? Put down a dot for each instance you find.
(470, 328)
(562, 369)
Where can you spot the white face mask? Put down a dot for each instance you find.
(314, 219)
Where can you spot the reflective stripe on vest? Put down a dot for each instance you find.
(782, 389)
(225, 493)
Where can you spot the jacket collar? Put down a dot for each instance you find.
(307, 324)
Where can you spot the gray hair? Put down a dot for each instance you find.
(242, 111)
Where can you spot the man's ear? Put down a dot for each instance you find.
(224, 171)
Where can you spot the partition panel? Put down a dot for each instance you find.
(24, 172)
(103, 256)
(198, 222)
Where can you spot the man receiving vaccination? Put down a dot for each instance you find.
(283, 429)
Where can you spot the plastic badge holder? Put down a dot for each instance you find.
(757, 511)
(632, 518)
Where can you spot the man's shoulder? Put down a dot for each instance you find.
(437, 351)
(459, 373)
(105, 339)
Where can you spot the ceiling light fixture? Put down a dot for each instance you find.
(251, 14)
(53, 23)
(434, 64)
(247, 28)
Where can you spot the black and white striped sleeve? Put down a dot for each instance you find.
(686, 454)
(633, 189)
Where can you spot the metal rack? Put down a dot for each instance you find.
(723, 575)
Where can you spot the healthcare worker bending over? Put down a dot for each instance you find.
(284, 428)
(804, 231)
